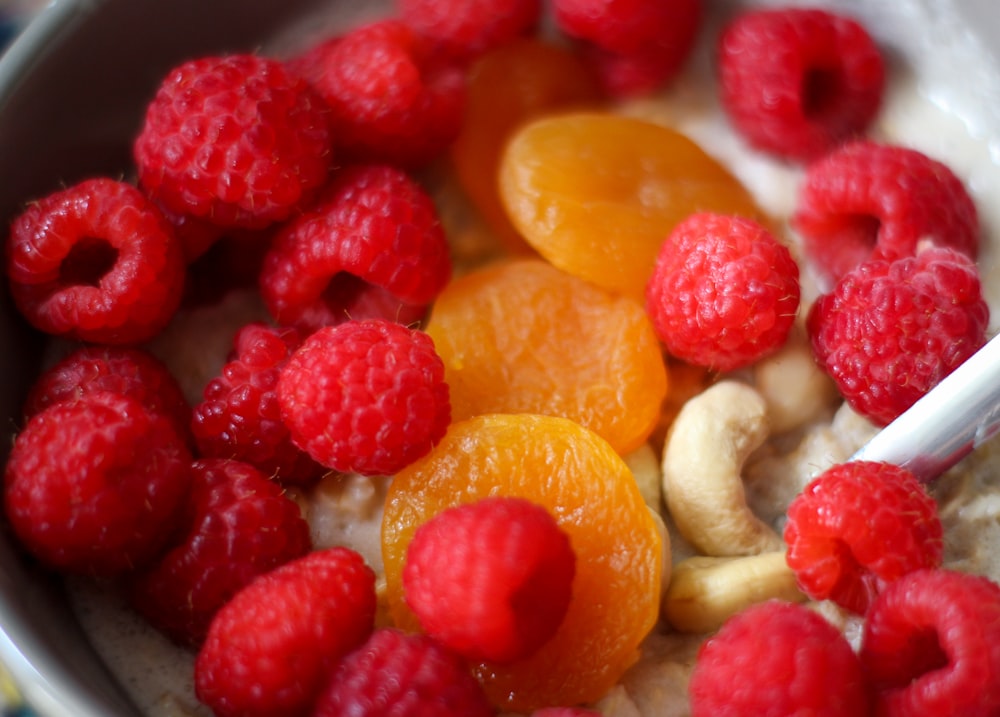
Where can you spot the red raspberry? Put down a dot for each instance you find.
(464, 30)
(124, 370)
(95, 262)
(868, 200)
(931, 646)
(796, 82)
(399, 674)
(235, 140)
(93, 485)
(724, 292)
(492, 579)
(271, 648)
(365, 396)
(858, 527)
(372, 248)
(892, 330)
(777, 658)
(390, 102)
(240, 415)
(235, 525)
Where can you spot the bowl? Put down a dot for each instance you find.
(72, 91)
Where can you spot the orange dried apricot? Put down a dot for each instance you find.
(597, 194)
(589, 490)
(508, 86)
(521, 336)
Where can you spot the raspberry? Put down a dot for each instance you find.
(93, 485)
(373, 247)
(492, 579)
(234, 526)
(777, 658)
(95, 262)
(270, 649)
(858, 527)
(399, 674)
(389, 101)
(724, 292)
(931, 646)
(235, 140)
(240, 416)
(365, 396)
(796, 82)
(892, 330)
(868, 200)
(464, 30)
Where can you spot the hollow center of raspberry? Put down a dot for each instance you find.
(87, 262)
(822, 92)
(922, 654)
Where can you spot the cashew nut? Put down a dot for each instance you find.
(702, 462)
(705, 591)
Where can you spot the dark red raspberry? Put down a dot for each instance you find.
(795, 82)
(856, 528)
(95, 262)
(235, 140)
(373, 247)
(399, 674)
(464, 30)
(724, 292)
(869, 200)
(892, 330)
(365, 396)
(271, 648)
(195, 235)
(777, 658)
(492, 579)
(235, 524)
(124, 370)
(931, 646)
(390, 100)
(93, 485)
(240, 415)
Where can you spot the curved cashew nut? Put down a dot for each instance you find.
(708, 442)
(705, 591)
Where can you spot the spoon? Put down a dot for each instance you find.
(950, 421)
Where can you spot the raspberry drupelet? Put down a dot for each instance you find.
(95, 262)
(492, 579)
(856, 528)
(464, 30)
(235, 140)
(796, 82)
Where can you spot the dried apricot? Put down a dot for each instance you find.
(589, 490)
(597, 194)
(521, 336)
(517, 82)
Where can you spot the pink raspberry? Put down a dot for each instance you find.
(796, 82)
(94, 485)
(464, 30)
(95, 262)
(235, 525)
(777, 658)
(858, 527)
(390, 100)
(235, 140)
(271, 648)
(399, 674)
(239, 416)
(875, 201)
(373, 247)
(365, 396)
(892, 330)
(724, 292)
(931, 646)
(492, 579)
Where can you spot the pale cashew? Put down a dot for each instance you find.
(705, 591)
(645, 467)
(702, 462)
